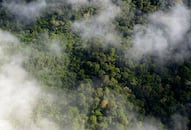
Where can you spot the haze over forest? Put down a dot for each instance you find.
(95, 65)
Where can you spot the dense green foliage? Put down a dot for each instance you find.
(108, 88)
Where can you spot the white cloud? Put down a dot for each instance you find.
(164, 36)
(99, 25)
(26, 11)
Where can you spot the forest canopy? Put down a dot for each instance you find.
(95, 64)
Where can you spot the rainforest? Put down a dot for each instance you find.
(95, 65)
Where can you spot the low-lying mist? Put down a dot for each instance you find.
(19, 93)
(166, 36)
(25, 103)
(26, 11)
(99, 25)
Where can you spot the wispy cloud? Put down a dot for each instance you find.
(101, 24)
(26, 11)
(165, 36)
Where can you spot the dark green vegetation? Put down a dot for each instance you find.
(109, 87)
